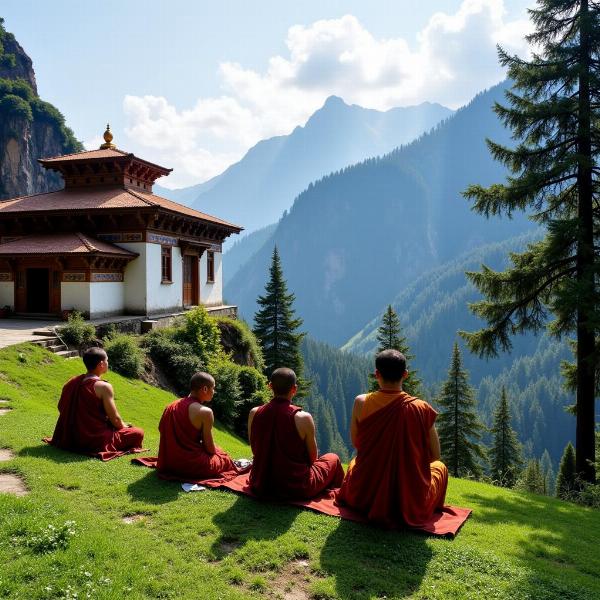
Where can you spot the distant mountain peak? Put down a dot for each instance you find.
(334, 101)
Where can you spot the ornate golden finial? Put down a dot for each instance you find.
(108, 138)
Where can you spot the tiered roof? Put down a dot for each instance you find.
(105, 179)
(75, 243)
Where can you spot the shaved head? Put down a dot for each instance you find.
(200, 380)
(282, 381)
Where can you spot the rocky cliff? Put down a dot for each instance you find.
(29, 127)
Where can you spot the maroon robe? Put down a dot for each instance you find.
(281, 467)
(83, 425)
(181, 453)
(392, 480)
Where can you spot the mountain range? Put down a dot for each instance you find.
(356, 238)
(255, 191)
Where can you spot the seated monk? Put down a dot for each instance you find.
(187, 451)
(282, 437)
(89, 422)
(397, 477)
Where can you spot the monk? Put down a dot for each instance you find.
(397, 477)
(187, 451)
(89, 422)
(286, 464)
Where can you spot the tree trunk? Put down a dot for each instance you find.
(586, 375)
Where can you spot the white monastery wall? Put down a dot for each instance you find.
(7, 294)
(106, 298)
(211, 293)
(134, 280)
(75, 295)
(163, 297)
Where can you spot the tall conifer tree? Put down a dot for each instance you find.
(389, 337)
(548, 473)
(566, 480)
(505, 454)
(276, 326)
(533, 480)
(554, 112)
(458, 425)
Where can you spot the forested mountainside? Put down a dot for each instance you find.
(337, 377)
(355, 238)
(434, 307)
(255, 191)
(30, 128)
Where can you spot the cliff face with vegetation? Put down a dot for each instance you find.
(29, 127)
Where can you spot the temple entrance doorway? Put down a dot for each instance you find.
(191, 295)
(38, 291)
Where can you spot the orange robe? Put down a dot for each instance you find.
(392, 479)
(181, 454)
(281, 467)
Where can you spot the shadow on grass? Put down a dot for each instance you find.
(54, 454)
(149, 488)
(562, 537)
(249, 519)
(368, 562)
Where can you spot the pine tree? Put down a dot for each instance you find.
(533, 481)
(389, 337)
(458, 425)
(547, 473)
(553, 113)
(275, 326)
(566, 482)
(505, 454)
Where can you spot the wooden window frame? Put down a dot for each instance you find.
(166, 264)
(210, 266)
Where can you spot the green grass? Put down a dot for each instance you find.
(215, 544)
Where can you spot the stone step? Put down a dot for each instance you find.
(57, 348)
(67, 353)
(43, 332)
(47, 342)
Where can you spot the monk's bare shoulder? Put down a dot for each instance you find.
(196, 408)
(253, 411)
(102, 388)
(302, 414)
(359, 402)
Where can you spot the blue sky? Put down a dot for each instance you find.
(193, 84)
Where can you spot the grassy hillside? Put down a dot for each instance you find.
(215, 544)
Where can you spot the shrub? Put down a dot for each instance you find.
(589, 495)
(77, 332)
(238, 338)
(227, 389)
(175, 357)
(201, 332)
(254, 392)
(125, 355)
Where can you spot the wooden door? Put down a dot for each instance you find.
(190, 280)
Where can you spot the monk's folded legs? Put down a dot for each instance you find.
(439, 484)
(128, 437)
(326, 473)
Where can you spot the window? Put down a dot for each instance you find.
(165, 264)
(210, 267)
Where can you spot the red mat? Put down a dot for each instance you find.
(152, 461)
(444, 523)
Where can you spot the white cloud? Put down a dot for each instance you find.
(454, 58)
